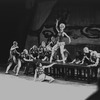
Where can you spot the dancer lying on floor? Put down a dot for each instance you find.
(40, 75)
(60, 43)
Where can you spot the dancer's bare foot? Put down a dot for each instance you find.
(16, 74)
(6, 72)
(14, 71)
(51, 80)
(64, 62)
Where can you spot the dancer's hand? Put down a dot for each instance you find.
(69, 41)
(81, 63)
(70, 62)
(54, 63)
(57, 20)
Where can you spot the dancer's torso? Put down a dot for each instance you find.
(15, 53)
(34, 52)
(94, 59)
(60, 37)
(40, 70)
(88, 54)
(15, 56)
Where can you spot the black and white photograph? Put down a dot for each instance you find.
(50, 50)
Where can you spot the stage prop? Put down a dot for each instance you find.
(73, 72)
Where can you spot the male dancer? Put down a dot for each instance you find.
(14, 57)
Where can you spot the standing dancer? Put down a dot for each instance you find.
(40, 75)
(60, 43)
(14, 56)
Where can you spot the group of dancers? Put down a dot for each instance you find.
(54, 51)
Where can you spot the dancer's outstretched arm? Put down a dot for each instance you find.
(49, 65)
(28, 59)
(73, 61)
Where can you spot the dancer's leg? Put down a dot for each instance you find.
(41, 77)
(8, 67)
(14, 70)
(62, 51)
(98, 73)
(19, 66)
(49, 78)
(55, 47)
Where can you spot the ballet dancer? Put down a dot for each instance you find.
(60, 43)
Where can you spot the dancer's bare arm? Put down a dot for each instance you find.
(95, 64)
(83, 60)
(57, 25)
(73, 61)
(44, 58)
(28, 59)
(67, 37)
(49, 65)
(14, 47)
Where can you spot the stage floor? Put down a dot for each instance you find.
(23, 88)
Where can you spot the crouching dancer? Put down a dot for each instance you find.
(14, 57)
(40, 75)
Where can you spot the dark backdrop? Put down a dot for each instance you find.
(12, 14)
(16, 20)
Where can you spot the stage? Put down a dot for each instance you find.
(24, 88)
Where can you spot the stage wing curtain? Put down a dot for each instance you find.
(29, 4)
(42, 13)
